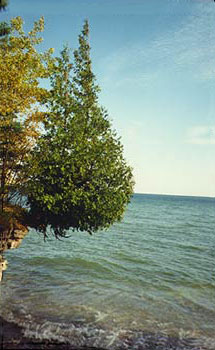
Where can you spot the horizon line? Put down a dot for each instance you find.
(176, 195)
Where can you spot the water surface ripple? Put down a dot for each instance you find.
(153, 273)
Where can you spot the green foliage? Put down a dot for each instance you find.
(80, 179)
(73, 175)
(3, 4)
(4, 29)
(21, 67)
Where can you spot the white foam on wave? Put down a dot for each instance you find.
(89, 335)
(74, 333)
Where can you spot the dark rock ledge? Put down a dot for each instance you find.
(12, 337)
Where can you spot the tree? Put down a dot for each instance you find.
(80, 180)
(3, 4)
(4, 27)
(20, 69)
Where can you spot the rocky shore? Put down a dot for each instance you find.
(12, 337)
(12, 233)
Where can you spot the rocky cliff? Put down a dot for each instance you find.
(12, 233)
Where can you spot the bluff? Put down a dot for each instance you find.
(12, 232)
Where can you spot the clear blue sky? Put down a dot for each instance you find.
(155, 63)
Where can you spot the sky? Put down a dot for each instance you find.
(155, 64)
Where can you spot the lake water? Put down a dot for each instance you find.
(153, 273)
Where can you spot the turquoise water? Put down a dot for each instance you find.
(153, 272)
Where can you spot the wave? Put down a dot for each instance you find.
(155, 267)
(78, 334)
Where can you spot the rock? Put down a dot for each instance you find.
(3, 266)
(11, 236)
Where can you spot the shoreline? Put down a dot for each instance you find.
(12, 338)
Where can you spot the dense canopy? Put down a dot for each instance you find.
(64, 160)
(21, 67)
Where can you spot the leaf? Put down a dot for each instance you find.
(80, 163)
